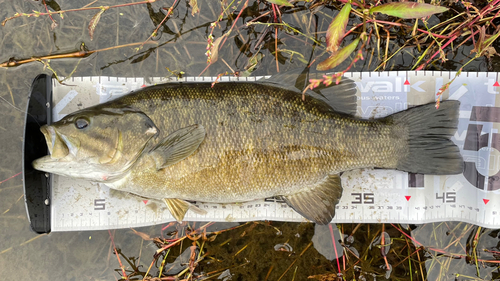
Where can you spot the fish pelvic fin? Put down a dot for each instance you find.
(317, 203)
(178, 145)
(428, 131)
(178, 208)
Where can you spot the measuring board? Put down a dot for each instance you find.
(370, 196)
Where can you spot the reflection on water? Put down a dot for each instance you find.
(440, 251)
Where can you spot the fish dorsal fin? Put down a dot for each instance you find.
(178, 208)
(178, 145)
(317, 203)
(339, 97)
(295, 80)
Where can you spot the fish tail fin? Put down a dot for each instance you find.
(429, 147)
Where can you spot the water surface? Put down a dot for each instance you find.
(256, 251)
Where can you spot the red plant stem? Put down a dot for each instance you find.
(47, 9)
(490, 261)
(455, 34)
(484, 11)
(76, 10)
(276, 38)
(435, 54)
(10, 177)
(274, 12)
(165, 227)
(382, 248)
(487, 9)
(204, 227)
(496, 15)
(222, 44)
(348, 1)
(334, 246)
(421, 245)
(276, 49)
(234, 23)
(161, 23)
(168, 246)
(491, 251)
(263, 15)
(452, 36)
(434, 34)
(117, 255)
(470, 36)
(398, 24)
(455, 241)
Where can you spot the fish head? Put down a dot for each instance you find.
(96, 144)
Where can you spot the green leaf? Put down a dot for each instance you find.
(408, 10)
(336, 30)
(490, 40)
(338, 57)
(280, 2)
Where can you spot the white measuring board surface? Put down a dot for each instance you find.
(370, 196)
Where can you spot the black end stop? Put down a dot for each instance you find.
(37, 184)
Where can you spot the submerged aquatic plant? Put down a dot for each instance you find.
(282, 251)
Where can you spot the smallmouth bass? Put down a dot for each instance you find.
(241, 141)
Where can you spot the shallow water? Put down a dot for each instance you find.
(254, 251)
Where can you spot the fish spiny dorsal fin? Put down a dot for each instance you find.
(178, 145)
(317, 203)
(339, 97)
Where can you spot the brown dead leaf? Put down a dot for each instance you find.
(142, 235)
(194, 7)
(93, 23)
(489, 52)
(213, 53)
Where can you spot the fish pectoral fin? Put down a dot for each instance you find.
(317, 203)
(178, 145)
(177, 207)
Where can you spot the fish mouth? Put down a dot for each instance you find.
(61, 149)
(59, 145)
(57, 148)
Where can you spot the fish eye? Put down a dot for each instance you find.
(81, 123)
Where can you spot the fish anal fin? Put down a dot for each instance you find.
(178, 145)
(317, 203)
(178, 208)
